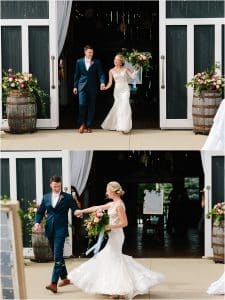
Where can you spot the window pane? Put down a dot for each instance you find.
(24, 9)
(204, 47)
(5, 186)
(51, 167)
(217, 179)
(39, 62)
(11, 54)
(176, 72)
(195, 9)
(26, 190)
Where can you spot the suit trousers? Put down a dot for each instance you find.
(87, 100)
(59, 270)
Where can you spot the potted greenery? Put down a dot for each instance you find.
(217, 213)
(41, 249)
(208, 88)
(23, 96)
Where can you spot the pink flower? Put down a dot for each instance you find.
(61, 197)
(10, 70)
(96, 220)
(99, 214)
(10, 79)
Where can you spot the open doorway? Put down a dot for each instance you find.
(177, 176)
(109, 27)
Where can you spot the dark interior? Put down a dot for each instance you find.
(109, 27)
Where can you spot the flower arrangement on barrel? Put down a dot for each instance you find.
(138, 58)
(208, 88)
(22, 84)
(207, 80)
(218, 235)
(95, 226)
(217, 213)
(39, 242)
(27, 214)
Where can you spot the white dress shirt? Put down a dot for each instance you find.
(87, 63)
(55, 198)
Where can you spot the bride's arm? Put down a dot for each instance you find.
(122, 219)
(91, 209)
(109, 84)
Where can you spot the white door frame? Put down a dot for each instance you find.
(38, 156)
(189, 22)
(53, 121)
(208, 155)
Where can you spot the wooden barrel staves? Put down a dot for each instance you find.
(41, 248)
(204, 108)
(21, 110)
(218, 242)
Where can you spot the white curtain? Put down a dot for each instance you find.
(216, 138)
(80, 168)
(63, 15)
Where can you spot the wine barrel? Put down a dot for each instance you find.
(41, 248)
(204, 108)
(21, 110)
(218, 242)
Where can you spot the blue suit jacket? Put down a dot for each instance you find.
(88, 78)
(57, 217)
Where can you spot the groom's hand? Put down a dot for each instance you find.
(75, 91)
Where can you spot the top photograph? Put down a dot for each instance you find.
(111, 75)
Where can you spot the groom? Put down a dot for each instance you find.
(56, 205)
(88, 74)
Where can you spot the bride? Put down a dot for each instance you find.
(110, 272)
(119, 117)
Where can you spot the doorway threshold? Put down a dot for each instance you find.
(71, 139)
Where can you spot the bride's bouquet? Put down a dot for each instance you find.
(95, 226)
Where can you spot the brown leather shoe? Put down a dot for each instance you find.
(52, 287)
(64, 282)
(82, 128)
(89, 130)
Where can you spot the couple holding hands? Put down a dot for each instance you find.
(110, 272)
(88, 74)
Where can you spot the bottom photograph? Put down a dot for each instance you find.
(111, 224)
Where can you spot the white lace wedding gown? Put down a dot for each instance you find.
(217, 287)
(120, 116)
(113, 273)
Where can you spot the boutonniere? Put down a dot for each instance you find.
(61, 197)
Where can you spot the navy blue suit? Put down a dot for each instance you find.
(87, 83)
(56, 228)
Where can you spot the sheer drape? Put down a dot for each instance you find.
(80, 168)
(63, 15)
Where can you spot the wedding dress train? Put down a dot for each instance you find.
(217, 287)
(113, 273)
(120, 116)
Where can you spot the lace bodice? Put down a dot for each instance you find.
(112, 212)
(120, 77)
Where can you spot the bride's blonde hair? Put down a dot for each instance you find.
(116, 188)
(120, 56)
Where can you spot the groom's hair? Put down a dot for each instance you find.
(55, 179)
(88, 47)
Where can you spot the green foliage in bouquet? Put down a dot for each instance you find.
(95, 223)
(217, 213)
(138, 58)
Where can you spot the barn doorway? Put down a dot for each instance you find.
(109, 27)
(177, 231)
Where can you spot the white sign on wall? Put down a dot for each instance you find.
(153, 202)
